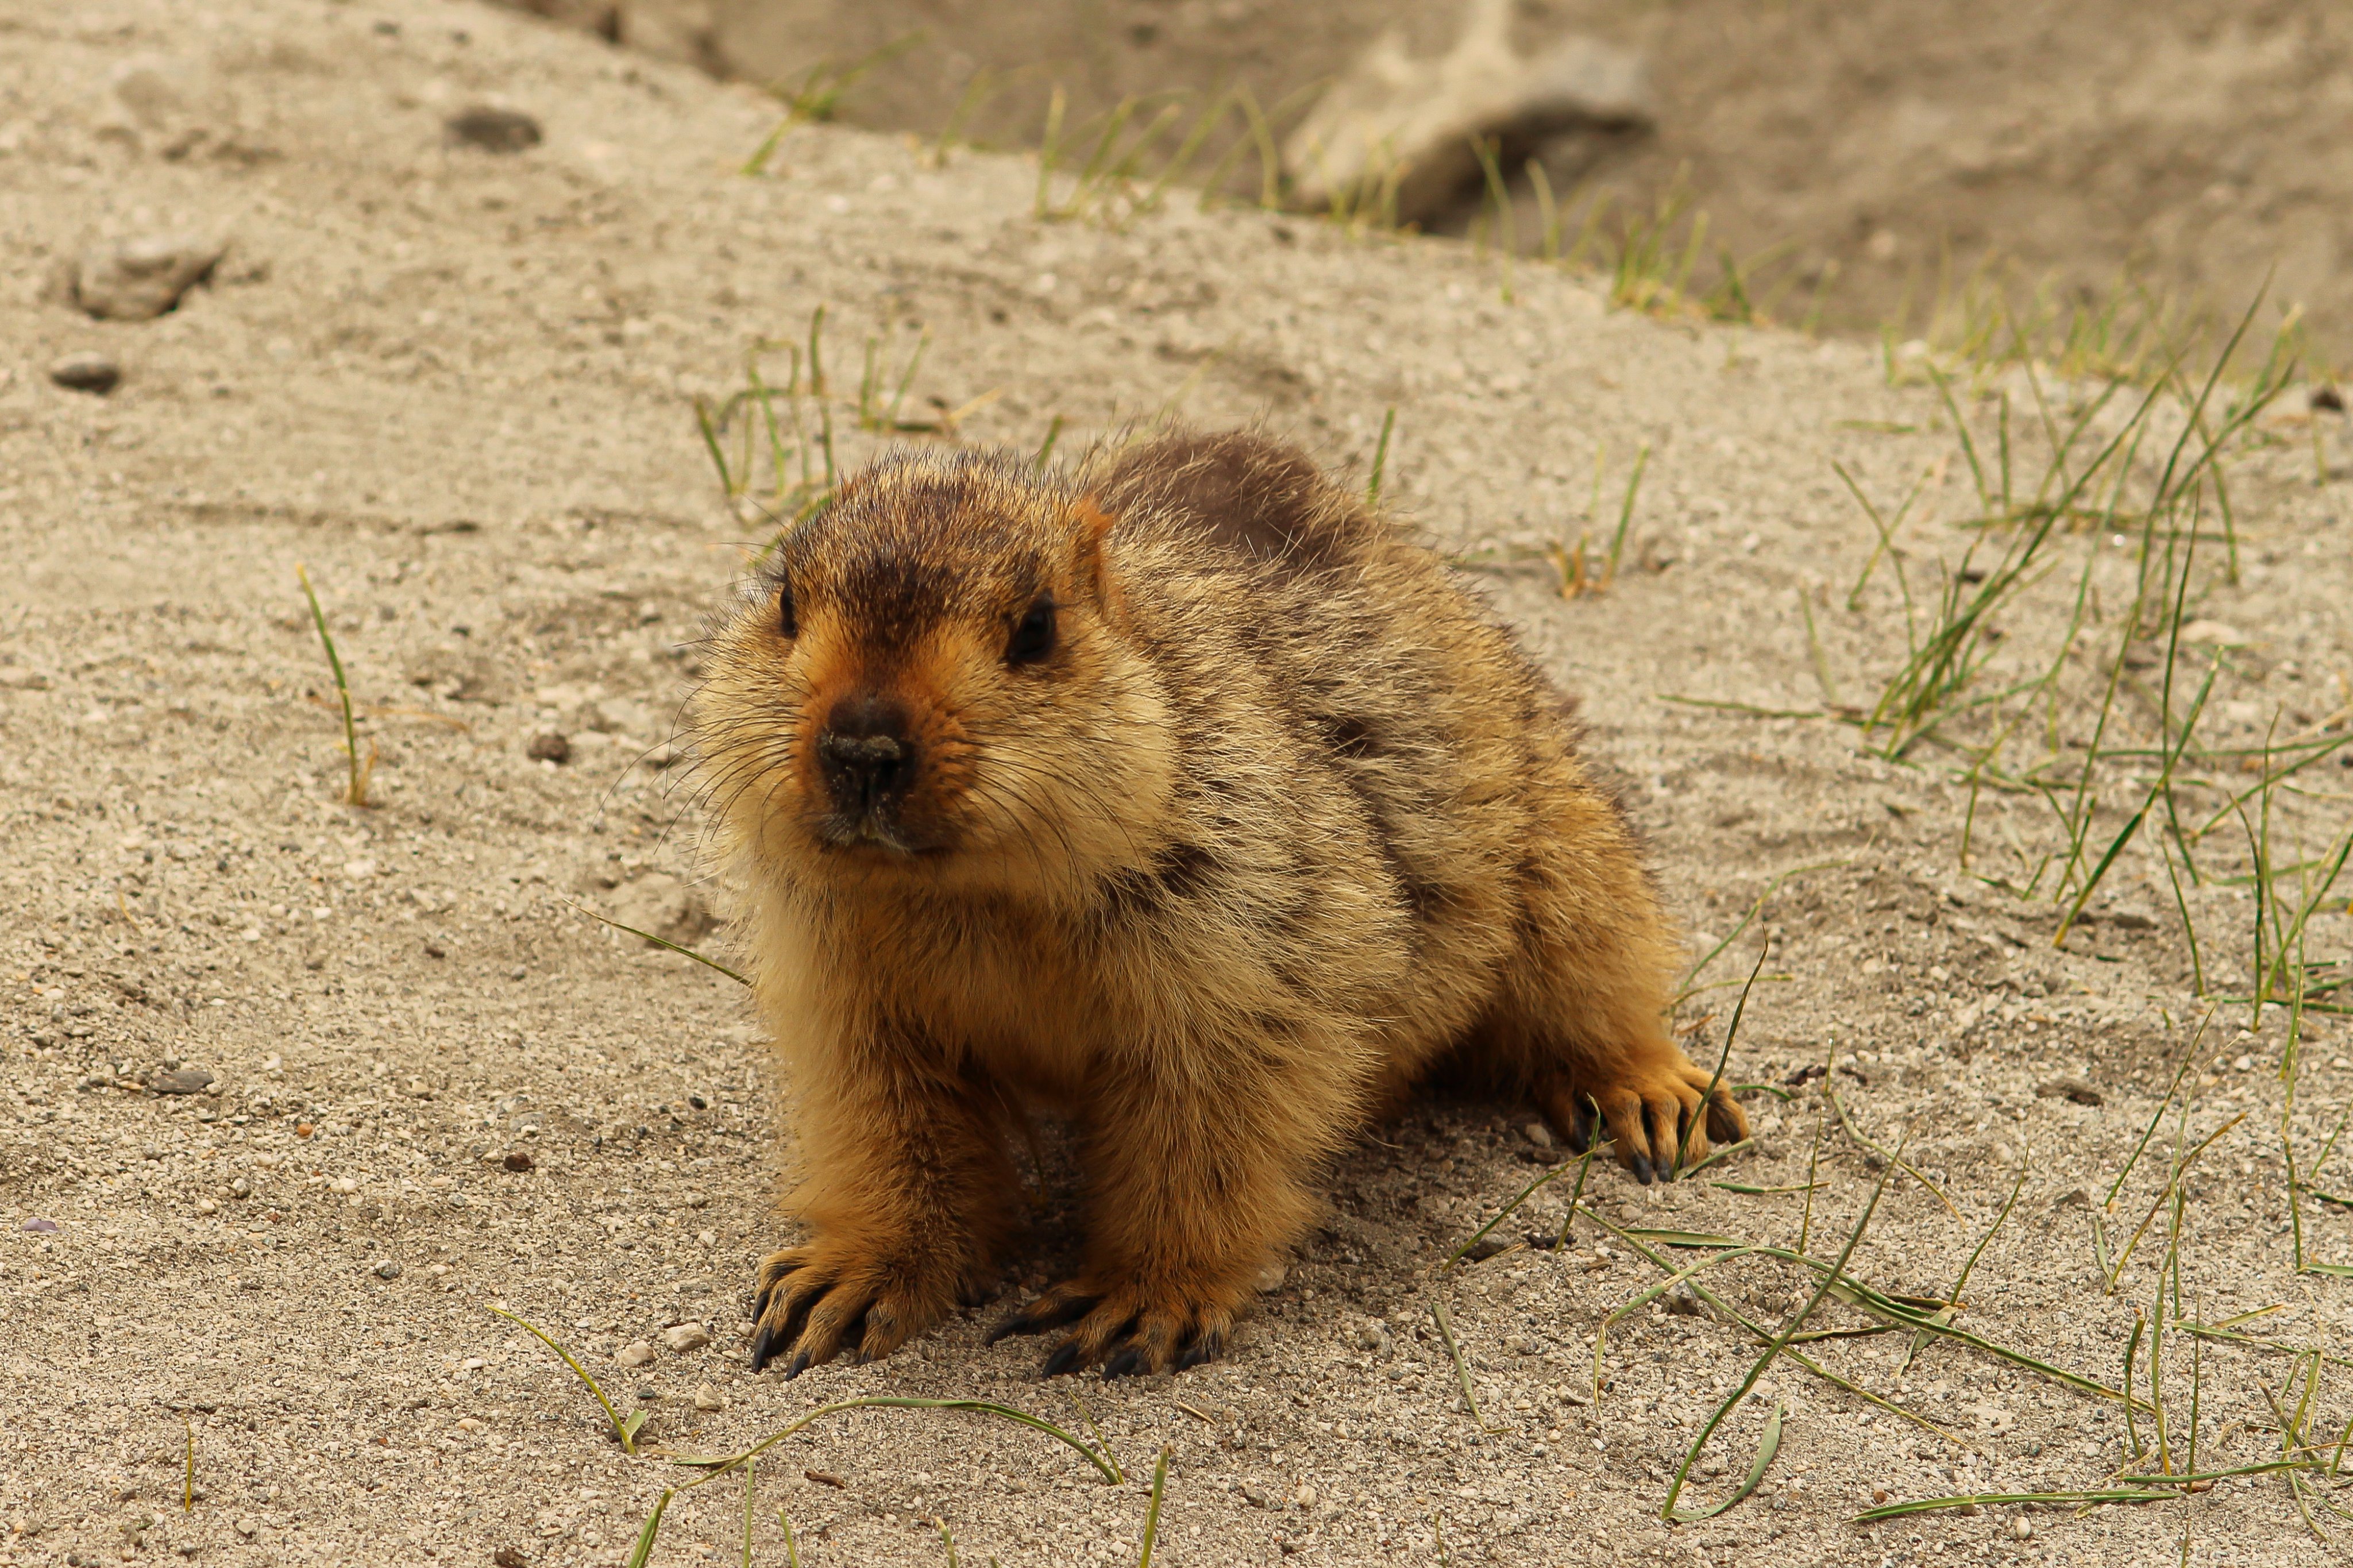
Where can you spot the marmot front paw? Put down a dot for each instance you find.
(1648, 1106)
(1128, 1327)
(833, 1295)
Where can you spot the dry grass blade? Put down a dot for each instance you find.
(624, 1430)
(188, 1481)
(715, 1466)
(1748, 918)
(658, 941)
(1637, 1302)
(1895, 1160)
(1461, 1367)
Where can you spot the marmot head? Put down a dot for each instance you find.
(930, 679)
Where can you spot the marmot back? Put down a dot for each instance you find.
(1183, 794)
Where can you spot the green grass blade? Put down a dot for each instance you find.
(1998, 1499)
(1152, 1514)
(624, 1431)
(644, 1548)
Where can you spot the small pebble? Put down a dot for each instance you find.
(388, 1269)
(1270, 1278)
(494, 129)
(517, 1159)
(185, 1080)
(2023, 1528)
(241, 1188)
(87, 371)
(40, 1224)
(1538, 1133)
(136, 280)
(636, 1353)
(707, 1398)
(686, 1336)
(549, 746)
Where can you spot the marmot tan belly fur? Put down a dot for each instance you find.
(1189, 796)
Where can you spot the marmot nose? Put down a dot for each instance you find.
(866, 753)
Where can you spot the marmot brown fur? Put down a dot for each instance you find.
(1188, 796)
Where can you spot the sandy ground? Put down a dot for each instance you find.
(456, 387)
(1861, 151)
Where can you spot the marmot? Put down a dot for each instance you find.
(1186, 794)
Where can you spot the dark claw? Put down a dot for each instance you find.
(764, 1346)
(1128, 1361)
(797, 1365)
(1207, 1348)
(1065, 1357)
(1029, 1321)
(1642, 1170)
(1580, 1131)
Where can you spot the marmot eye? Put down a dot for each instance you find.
(787, 622)
(1033, 637)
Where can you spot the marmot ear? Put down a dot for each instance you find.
(1091, 524)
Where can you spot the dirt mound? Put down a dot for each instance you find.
(293, 1090)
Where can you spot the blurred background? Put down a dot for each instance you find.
(2102, 174)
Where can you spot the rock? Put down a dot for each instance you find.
(517, 1159)
(1487, 1247)
(15, 678)
(686, 1338)
(1258, 1496)
(1393, 119)
(2073, 1088)
(1538, 1133)
(2021, 1528)
(494, 129)
(707, 1398)
(660, 905)
(39, 1227)
(636, 1353)
(241, 1188)
(87, 371)
(388, 1269)
(181, 1080)
(136, 280)
(1270, 1278)
(549, 746)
